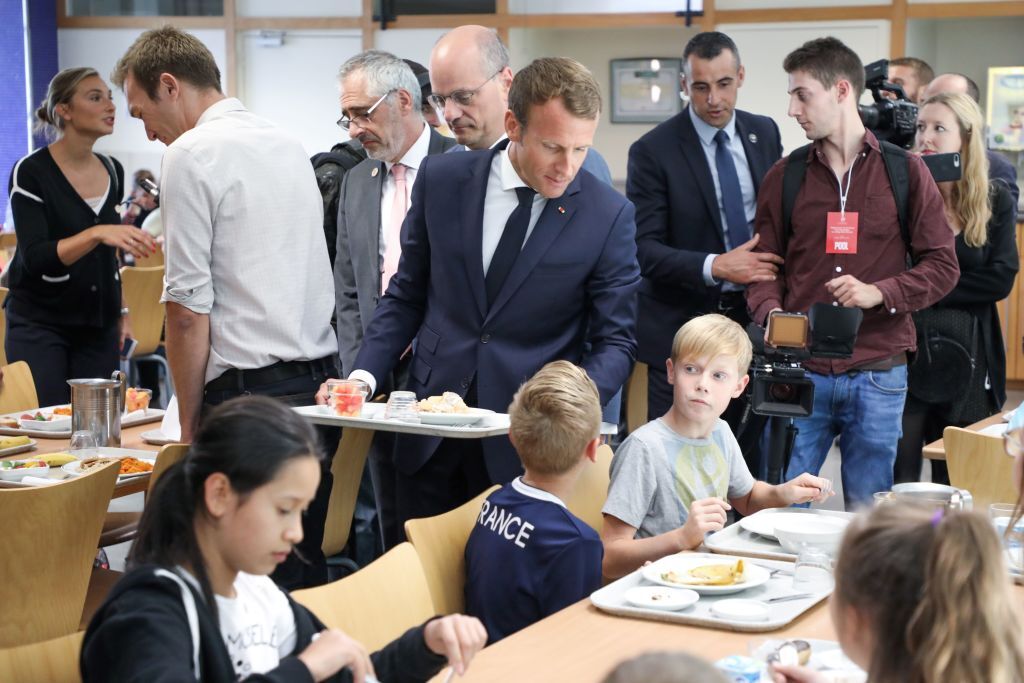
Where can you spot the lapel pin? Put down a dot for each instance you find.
(561, 209)
(374, 172)
(753, 138)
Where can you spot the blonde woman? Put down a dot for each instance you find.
(923, 597)
(959, 375)
(64, 312)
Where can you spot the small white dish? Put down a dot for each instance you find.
(740, 609)
(753, 574)
(452, 419)
(20, 473)
(796, 531)
(157, 438)
(660, 597)
(60, 423)
(763, 523)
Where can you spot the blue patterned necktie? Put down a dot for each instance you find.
(732, 196)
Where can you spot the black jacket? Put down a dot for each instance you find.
(47, 209)
(141, 633)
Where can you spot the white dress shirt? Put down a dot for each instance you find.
(411, 161)
(244, 240)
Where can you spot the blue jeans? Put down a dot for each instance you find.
(866, 410)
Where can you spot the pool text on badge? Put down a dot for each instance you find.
(841, 232)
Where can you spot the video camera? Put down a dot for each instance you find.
(779, 384)
(891, 120)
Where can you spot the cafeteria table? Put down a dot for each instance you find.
(936, 450)
(582, 644)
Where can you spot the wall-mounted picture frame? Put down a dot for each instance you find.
(1005, 108)
(645, 89)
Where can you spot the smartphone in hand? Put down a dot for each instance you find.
(128, 348)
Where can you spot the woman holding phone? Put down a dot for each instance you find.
(959, 374)
(64, 313)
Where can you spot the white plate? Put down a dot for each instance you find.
(763, 523)
(661, 597)
(21, 448)
(18, 475)
(61, 423)
(753, 575)
(75, 468)
(467, 418)
(157, 438)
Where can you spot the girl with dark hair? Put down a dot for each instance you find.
(65, 316)
(923, 597)
(197, 603)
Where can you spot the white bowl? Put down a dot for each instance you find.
(660, 597)
(58, 423)
(818, 531)
(21, 473)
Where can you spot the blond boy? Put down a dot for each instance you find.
(528, 556)
(674, 479)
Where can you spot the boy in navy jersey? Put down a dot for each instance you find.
(528, 556)
(674, 479)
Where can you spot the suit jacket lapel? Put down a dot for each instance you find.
(693, 152)
(754, 151)
(365, 223)
(474, 192)
(556, 214)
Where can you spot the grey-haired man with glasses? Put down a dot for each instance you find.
(381, 109)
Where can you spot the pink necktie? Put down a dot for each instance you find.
(393, 236)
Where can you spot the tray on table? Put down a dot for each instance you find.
(611, 599)
(735, 540)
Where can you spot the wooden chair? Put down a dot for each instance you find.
(141, 289)
(49, 543)
(119, 527)
(592, 489)
(440, 542)
(347, 468)
(51, 661)
(154, 260)
(978, 462)
(18, 391)
(3, 325)
(636, 398)
(379, 602)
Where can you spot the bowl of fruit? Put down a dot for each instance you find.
(16, 470)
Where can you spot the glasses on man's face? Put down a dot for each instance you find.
(1013, 442)
(361, 119)
(463, 98)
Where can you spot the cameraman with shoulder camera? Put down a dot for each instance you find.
(844, 245)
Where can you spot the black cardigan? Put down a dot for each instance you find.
(986, 277)
(141, 634)
(47, 209)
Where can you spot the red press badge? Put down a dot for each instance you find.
(841, 233)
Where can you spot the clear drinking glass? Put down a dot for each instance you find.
(82, 440)
(813, 570)
(1001, 514)
(402, 406)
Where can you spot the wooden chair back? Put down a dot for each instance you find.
(379, 602)
(440, 542)
(167, 456)
(141, 289)
(51, 661)
(636, 398)
(979, 463)
(18, 391)
(347, 468)
(49, 546)
(3, 326)
(592, 489)
(154, 260)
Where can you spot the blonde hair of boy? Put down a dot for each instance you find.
(665, 667)
(934, 590)
(554, 415)
(712, 335)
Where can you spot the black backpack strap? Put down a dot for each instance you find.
(114, 182)
(792, 179)
(897, 167)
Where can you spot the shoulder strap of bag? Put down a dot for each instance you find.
(897, 167)
(113, 175)
(792, 180)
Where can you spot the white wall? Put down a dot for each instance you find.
(414, 44)
(295, 85)
(100, 49)
(764, 46)
(299, 8)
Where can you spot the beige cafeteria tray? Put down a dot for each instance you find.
(612, 599)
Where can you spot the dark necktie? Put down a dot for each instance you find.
(510, 244)
(732, 196)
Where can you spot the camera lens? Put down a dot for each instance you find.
(782, 393)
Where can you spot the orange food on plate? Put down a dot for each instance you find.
(130, 465)
(62, 410)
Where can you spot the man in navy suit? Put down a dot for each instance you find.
(694, 181)
(510, 259)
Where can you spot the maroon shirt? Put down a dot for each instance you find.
(880, 260)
